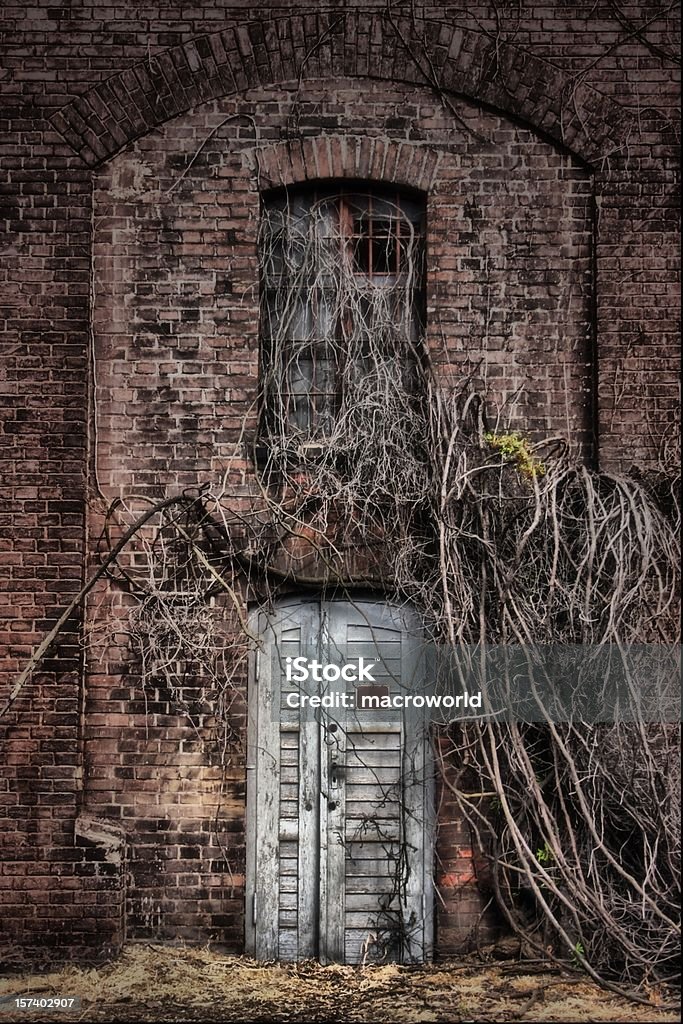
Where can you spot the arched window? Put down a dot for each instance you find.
(341, 302)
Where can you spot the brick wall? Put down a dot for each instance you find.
(175, 261)
(134, 151)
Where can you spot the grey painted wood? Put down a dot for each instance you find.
(309, 806)
(333, 785)
(340, 809)
(332, 866)
(250, 838)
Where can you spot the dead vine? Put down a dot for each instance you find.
(394, 466)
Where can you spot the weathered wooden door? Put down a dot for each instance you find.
(339, 799)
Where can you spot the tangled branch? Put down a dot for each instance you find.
(388, 471)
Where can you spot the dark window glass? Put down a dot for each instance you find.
(341, 286)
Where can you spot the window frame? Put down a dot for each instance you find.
(402, 214)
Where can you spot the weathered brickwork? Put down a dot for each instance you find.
(134, 154)
(175, 260)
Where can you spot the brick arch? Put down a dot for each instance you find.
(345, 156)
(264, 53)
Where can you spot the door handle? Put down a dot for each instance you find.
(336, 773)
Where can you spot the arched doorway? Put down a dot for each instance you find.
(339, 785)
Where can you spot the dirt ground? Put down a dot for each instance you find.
(164, 983)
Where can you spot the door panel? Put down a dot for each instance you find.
(339, 802)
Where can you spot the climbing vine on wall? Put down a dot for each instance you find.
(495, 540)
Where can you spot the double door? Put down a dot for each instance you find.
(339, 786)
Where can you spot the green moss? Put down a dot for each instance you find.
(515, 448)
(545, 855)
